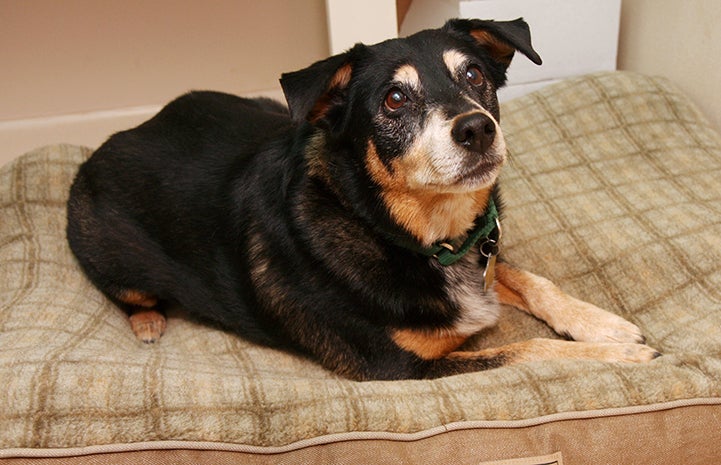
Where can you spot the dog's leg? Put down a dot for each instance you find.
(146, 321)
(535, 350)
(567, 316)
(437, 354)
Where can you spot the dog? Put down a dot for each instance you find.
(359, 226)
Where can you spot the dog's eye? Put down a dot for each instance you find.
(395, 99)
(474, 75)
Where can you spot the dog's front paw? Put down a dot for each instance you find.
(625, 353)
(589, 323)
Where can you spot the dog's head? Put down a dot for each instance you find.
(416, 119)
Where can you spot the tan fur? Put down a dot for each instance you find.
(565, 314)
(428, 345)
(408, 75)
(500, 51)
(138, 298)
(454, 61)
(147, 325)
(315, 159)
(428, 215)
(340, 80)
(554, 349)
(603, 336)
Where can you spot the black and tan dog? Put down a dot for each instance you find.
(360, 227)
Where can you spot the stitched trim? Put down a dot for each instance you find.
(356, 435)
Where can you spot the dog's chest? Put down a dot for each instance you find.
(464, 286)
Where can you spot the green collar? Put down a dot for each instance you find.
(447, 254)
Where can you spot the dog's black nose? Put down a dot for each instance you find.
(474, 131)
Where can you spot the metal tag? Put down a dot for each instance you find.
(490, 249)
(489, 273)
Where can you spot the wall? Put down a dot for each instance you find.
(366, 21)
(680, 40)
(77, 70)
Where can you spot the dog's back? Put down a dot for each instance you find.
(148, 211)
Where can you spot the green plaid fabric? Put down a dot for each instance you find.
(611, 190)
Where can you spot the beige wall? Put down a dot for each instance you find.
(678, 39)
(77, 70)
(72, 56)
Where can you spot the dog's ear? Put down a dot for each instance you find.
(313, 92)
(499, 38)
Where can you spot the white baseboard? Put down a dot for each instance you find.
(512, 91)
(88, 129)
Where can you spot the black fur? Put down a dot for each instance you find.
(270, 225)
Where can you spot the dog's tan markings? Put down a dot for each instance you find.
(316, 159)
(553, 349)
(428, 345)
(266, 280)
(507, 297)
(342, 76)
(426, 214)
(138, 298)
(455, 61)
(567, 315)
(500, 51)
(408, 76)
(148, 325)
(338, 82)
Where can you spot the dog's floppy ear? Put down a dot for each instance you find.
(499, 38)
(313, 92)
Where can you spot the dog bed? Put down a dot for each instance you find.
(612, 191)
